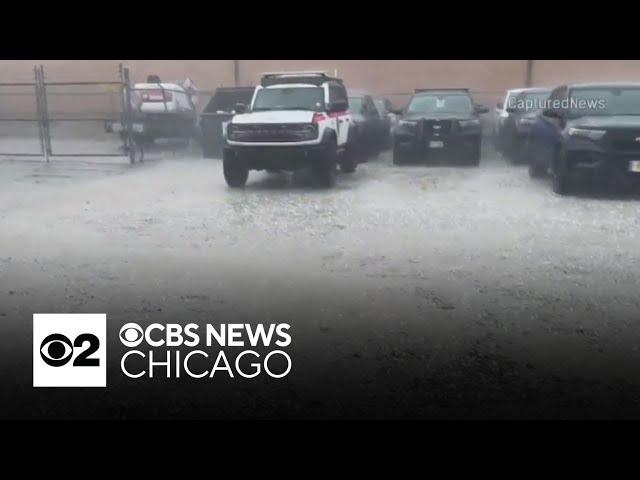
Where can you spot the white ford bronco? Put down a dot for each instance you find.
(295, 120)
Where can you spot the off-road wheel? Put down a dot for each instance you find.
(235, 173)
(349, 159)
(324, 167)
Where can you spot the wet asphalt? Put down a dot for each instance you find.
(420, 291)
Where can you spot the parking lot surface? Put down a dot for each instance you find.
(413, 291)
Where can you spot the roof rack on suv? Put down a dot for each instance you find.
(299, 72)
(419, 90)
(310, 77)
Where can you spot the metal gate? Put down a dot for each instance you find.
(50, 122)
(21, 111)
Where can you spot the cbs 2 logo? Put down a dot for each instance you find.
(56, 350)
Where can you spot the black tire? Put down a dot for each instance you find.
(562, 184)
(474, 157)
(399, 158)
(348, 163)
(324, 168)
(536, 171)
(531, 156)
(235, 173)
(365, 149)
(351, 155)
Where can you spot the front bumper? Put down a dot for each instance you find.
(288, 158)
(452, 144)
(602, 163)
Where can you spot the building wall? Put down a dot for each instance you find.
(396, 79)
(554, 72)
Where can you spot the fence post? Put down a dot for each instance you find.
(45, 112)
(236, 73)
(529, 74)
(127, 114)
(39, 111)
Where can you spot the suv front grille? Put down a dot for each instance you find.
(440, 127)
(279, 133)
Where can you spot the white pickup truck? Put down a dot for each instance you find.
(295, 120)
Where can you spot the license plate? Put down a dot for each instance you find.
(634, 166)
(436, 144)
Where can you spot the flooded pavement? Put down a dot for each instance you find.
(418, 291)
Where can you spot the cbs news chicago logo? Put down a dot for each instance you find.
(70, 350)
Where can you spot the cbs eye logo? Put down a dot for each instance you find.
(56, 350)
(69, 350)
(131, 335)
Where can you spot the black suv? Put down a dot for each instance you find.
(367, 122)
(587, 130)
(517, 115)
(217, 113)
(439, 121)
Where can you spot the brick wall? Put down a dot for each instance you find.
(394, 78)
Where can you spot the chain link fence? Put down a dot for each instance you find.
(49, 117)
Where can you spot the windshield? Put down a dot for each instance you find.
(355, 104)
(604, 101)
(528, 101)
(226, 100)
(290, 98)
(441, 103)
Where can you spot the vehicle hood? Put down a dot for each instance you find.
(274, 116)
(437, 116)
(606, 122)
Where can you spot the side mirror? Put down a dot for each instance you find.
(481, 109)
(499, 105)
(551, 113)
(397, 111)
(240, 108)
(512, 110)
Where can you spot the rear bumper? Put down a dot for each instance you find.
(289, 158)
(165, 125)
(168, 125)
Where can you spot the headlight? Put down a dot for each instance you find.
(231, 130)
(464, 124)
(586, 133)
